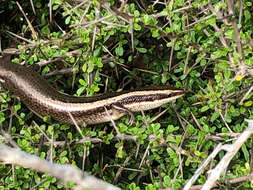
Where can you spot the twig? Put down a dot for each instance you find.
(79, 5)
(236, 30)
(240, 14)
(232, 181)
(247, 93)
(157, 15)
(34, 34)
(147, 71)
(50, 11)
(251, 159)
(223, 119)
(62, 71)
(121, 168)
(87, 24)
(196, 121)
(97, 16)
(17, 36)
(32, 5)
(38, 184)
(42, 132)
(67, 54)
(76, 125)
(132, 33)
(85, 12)
(159, 115)
(144, 156)
(8, 138)
(200, 20)
(171, 52)
(187, 59)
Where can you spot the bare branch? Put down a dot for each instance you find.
(231, 149)
(64, 172)
(215, 173)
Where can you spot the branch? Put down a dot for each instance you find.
(215, 173)
(64, 172)
(231, 149)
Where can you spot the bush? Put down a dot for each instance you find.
(108, 46)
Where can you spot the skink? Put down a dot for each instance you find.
(42, 99)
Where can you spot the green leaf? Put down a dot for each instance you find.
(136, 13)
(247, 14)
(47, 119)
(142, 50)
(218, 54)
(133, 186)
(211, 21)
(204, 108)
(17, 107)
(119, 51)
(166, 181)
(45, 30)
(214, 116)
(2, 117)
(67, 20)
(137, 27)
(90, 68)
(122, 128)
(245, 152)
(80, 90)
(82, 82)
(155, 33)
(84, 67)
(63, 153)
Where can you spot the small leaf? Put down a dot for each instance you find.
(120, 152)
(122, 127)
(137, 26)
(17, 107)
(84, 67)
(205, 108)
(80, 90)
(64, 153)
(90, 68)
(142, 50)
(214, 116)
(248, 103)
(211, 21)
(166, 181)
(82, 82)
(47, 119)
(2, 118)
(247, 15)
(155, 33)
(245, 152)
(67, 21)
(119, 51)
(45, 30)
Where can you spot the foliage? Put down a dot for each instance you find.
(122, 46)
